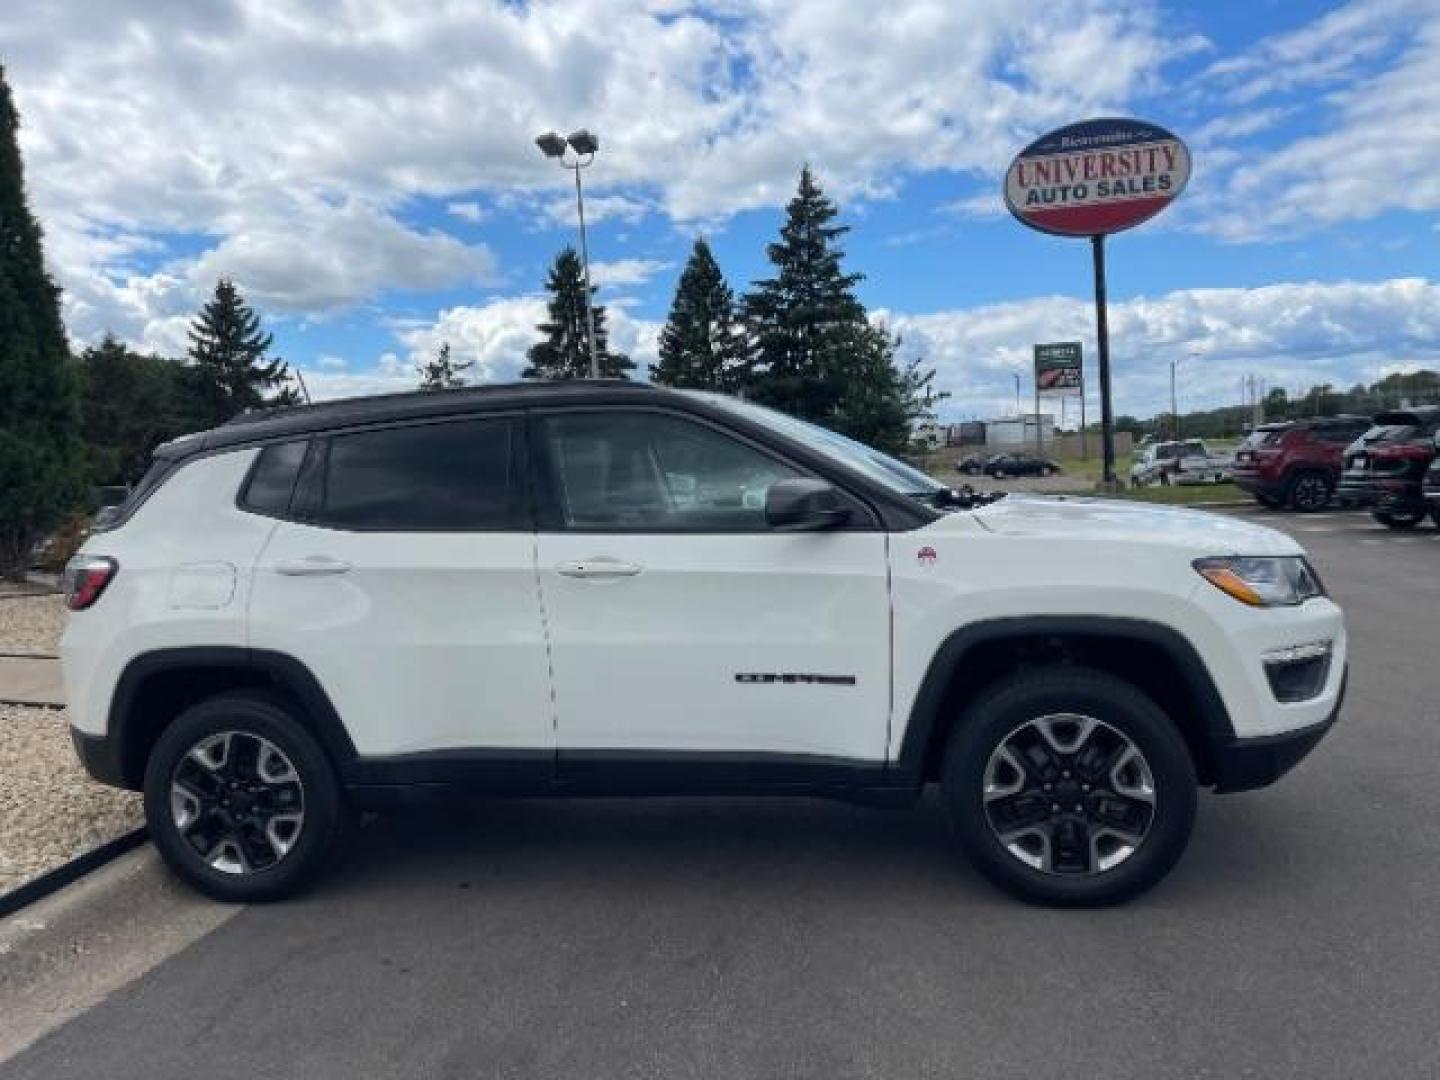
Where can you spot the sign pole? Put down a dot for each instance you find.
(1039, 431)
(1102, 339)
(1084, 435)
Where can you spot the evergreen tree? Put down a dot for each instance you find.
(228, 350)
(813, 352)
(702, 345)
(41, 456)
(564, 352)
(441, 372)
(130, 403)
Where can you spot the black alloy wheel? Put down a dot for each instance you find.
(1310, 491)
(1069, 786)
(241, 800)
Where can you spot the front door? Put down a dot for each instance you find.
(680, 625)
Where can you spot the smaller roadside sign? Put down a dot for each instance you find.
(1059, 369)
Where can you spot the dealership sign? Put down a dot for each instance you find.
(1057, 369)
(1096, 177)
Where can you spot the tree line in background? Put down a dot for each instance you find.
(1392, 392)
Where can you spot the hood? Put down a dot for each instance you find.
(1078, 518)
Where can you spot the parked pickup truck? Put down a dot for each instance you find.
(1187, 461)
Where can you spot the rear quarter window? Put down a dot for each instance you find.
(271, 484)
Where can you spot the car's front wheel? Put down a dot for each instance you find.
(240, 799)
(1069, 787)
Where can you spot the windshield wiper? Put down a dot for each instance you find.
(964, 498)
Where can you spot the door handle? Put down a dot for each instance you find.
(597, 568)
(312, 566)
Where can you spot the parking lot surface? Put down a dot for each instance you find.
(753, 938)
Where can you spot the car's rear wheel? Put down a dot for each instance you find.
(240, 799)
(1399, 519)
(1069, 787)
(1309, 492)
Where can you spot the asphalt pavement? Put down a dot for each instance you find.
(768, 938)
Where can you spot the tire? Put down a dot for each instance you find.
(1047, 472)
(1401, 519)
(998, 474)
(259, 851)
(1435, 517)
(1003, 718)
(1309, 492)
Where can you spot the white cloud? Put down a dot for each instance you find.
(472, 212)
(233, 121)
(1293, 335)
(322, 258)
(496, 336)
(622, 272)
(1375, 147)
(563, 211)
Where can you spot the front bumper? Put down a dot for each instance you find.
(1239, 764)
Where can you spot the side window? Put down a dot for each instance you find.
(1335, 433)
(647, 471)
(272, 480)
(445, 477)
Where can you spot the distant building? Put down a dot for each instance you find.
(930, 435)
(1018, 432)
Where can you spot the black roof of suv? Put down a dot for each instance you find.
(263, 425)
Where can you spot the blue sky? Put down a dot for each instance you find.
(364, 170)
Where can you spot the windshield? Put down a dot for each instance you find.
(882, 468)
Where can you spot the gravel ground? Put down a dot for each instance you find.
(31, 624)
(50, 810)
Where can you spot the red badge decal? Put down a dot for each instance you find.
(926, 555)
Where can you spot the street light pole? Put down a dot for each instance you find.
(1174, 406)
(1018, 410)
(585, 145)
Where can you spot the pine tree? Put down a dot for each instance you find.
(130, 402)
(41, 456)
(702, 345)
(564, 353)
(228, 350)
(813, 352)
(804, 321)
(441, 372)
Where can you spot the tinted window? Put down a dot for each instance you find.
(646, 471)
(273, 479)
(434, 477)
(1344, 434)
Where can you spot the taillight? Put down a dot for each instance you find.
(85, 579)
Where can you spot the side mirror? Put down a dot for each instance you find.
(800, 504)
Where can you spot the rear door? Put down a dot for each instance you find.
(680, 623)
(403, 576)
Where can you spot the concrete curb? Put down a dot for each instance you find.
(53, 881)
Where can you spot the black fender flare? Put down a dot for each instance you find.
(262, 665)
(925, 714)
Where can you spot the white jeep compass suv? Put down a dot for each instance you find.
(609, 588)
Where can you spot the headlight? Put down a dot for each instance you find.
(1263, 581)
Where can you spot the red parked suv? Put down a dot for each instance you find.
(1386, 468)
(1296, 463)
